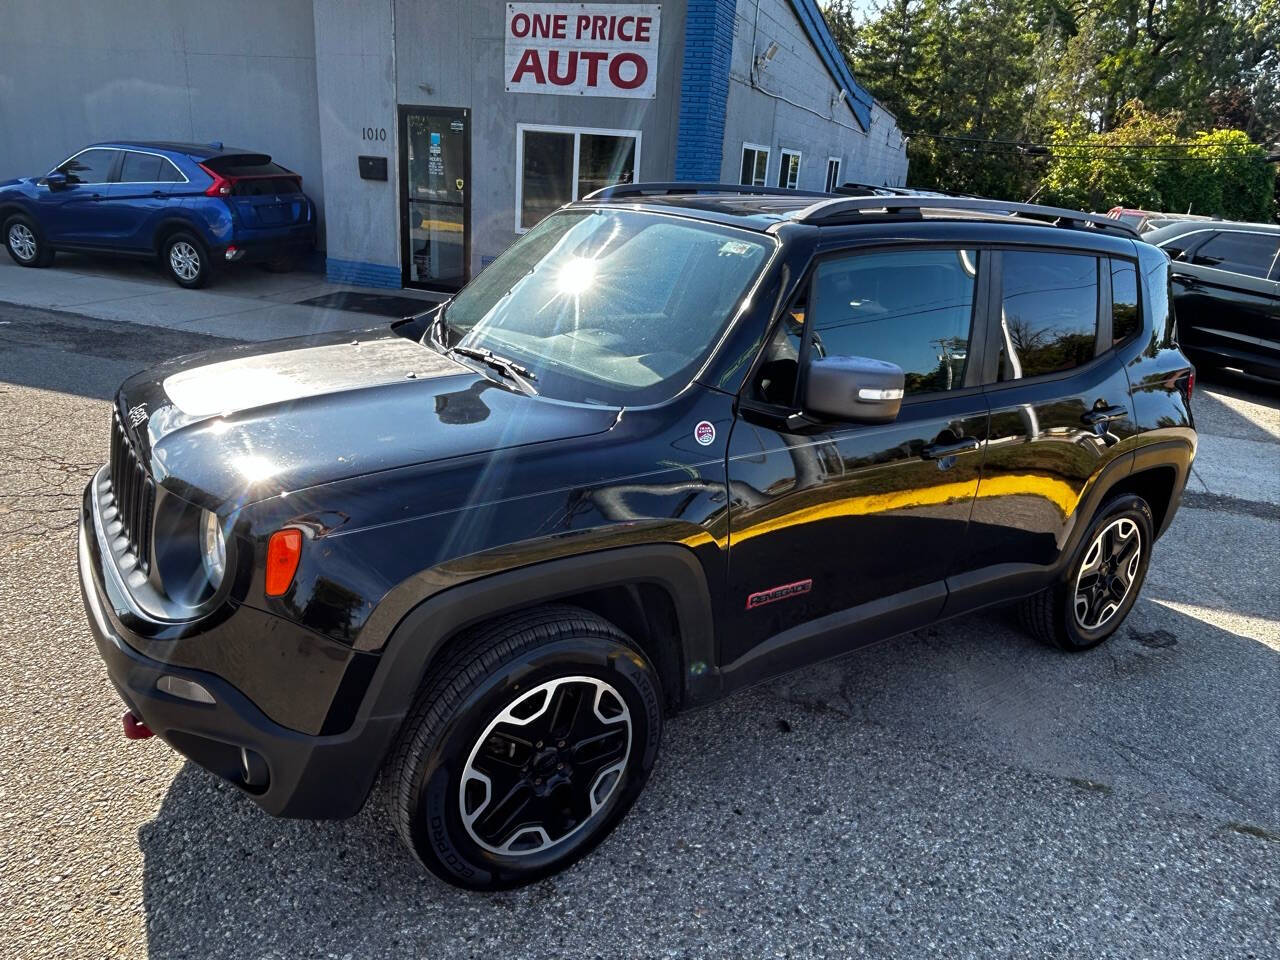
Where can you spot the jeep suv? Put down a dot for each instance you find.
(678, 439)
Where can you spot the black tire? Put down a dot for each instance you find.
(516, 663)
(25, 242)
(186, 260)
(1072, 613)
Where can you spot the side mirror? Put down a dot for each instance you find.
(856, 389)
(56, 180)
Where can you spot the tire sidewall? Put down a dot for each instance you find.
(1128, 506)
(206, 264)
(41, 254)
(437, 833)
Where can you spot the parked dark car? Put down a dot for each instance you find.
(676, 440)
(191, 206)
(1226, 291)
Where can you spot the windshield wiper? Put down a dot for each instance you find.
(522, 375)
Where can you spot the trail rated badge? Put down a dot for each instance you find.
(705, 433)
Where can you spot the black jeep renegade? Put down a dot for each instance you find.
(678, 439)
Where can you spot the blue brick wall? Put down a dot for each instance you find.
(360, 274)
(704, 88)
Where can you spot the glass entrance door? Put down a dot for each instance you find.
(435, 164)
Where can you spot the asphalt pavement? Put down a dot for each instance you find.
(959, 792)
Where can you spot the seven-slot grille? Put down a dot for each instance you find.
(134, 493)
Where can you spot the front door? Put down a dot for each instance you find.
(75, 214)
(842, 533)
(435, 165)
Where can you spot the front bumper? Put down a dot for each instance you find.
(313, 776)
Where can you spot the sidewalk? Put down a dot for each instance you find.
(245, 302)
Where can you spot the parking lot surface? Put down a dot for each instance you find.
(958, 792)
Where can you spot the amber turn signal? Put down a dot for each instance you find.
(284, 549)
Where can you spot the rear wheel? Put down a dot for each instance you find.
(525, 748)
(25, 242)
(1100, 586)
(186, 260)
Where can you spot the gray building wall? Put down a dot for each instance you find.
(239, 71)
(813, 122)
(451, 55)
(355, 71)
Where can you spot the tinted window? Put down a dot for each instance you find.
(147, 168)
(1246, 253)
(91, 166)
(244, 165)
(1049, 313)
(912, 307)
(1125, 321)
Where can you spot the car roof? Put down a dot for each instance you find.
(197, 151)
(1183, 227)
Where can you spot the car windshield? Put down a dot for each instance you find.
(614, 307)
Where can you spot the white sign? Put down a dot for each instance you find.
(583, 49)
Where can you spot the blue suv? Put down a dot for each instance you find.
(194, 206)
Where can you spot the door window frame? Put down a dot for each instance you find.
(112, 173)
(1189, 253)
(124, 153)
(756, 148)
(833, 181)
(783, 154)
(974, 381)
(403, 112)
(1102, 345)
(577, 132)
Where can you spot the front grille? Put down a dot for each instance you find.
(134, 493)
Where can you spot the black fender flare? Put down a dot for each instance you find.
(423, 631)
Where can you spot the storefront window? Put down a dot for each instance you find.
(560, 164)
(755, 165)
(789, 169)
(833, 173)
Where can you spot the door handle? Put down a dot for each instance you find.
(937, 451)
(157, 193)
(1104, 415)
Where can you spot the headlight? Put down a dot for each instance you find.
(213, 548)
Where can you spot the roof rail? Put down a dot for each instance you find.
(619, 190)
(839, 208)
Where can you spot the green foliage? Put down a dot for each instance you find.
(1125, 73)
(1141, 164)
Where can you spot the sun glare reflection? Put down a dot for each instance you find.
(576, 276)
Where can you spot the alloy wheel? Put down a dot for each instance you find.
(1107, 573)
(545, 766)
(184, 259)
(22, 242)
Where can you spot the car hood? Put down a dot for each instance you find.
(231, 427)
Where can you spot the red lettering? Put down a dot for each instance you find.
(582, 25)
(642, 29)
(598, 28)
(571, 72)
(520, 25)
(529, 63)
(542, 25)
(560, 21)
(615, 71)
(593, 59)
(622, 26)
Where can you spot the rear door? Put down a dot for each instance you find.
(1226, 304)
(1059, 408)
(841, 533)
(133, 204)
(73, 214)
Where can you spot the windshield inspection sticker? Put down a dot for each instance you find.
(705, 433)
(735, 248)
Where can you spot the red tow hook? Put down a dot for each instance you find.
(134, 728)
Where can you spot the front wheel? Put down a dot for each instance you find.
(186, 260)
(1092, 597)
(25, 242)
(525, 748)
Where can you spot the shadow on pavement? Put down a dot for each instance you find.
(960, 785)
